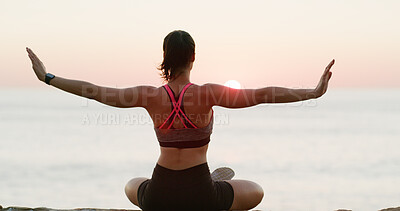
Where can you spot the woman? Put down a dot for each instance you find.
(183, 118)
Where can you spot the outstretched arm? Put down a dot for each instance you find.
(123, 98)
(240, 98)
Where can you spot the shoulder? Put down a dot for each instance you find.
(143, 94)
(145, 90)
(210, 87)
(151, 93)
(204, 89)
(210, 92)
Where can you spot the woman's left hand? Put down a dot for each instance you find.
(323, 82)
(37, 65)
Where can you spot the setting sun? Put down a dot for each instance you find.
(233, 84)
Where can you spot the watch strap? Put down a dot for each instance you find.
(48, 78)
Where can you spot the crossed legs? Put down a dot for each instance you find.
(247, 194)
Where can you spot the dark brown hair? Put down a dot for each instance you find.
(178, 50)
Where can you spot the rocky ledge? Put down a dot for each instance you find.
(387, 209)
(97, 209)
(50, 209)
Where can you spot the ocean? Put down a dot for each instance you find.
(339, 151)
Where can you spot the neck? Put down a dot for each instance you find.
(183, 78)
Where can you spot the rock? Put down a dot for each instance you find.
(391, 209)
(50, 209)
(387, 209)
(97, 209)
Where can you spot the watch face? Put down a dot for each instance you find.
(50, 75)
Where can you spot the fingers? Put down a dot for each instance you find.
(329, 67)
(30, 57)
(330, 64)
(327, 74)
(33, 56)
(30, 53)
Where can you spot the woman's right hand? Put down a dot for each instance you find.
(37, 65)
(323, 82)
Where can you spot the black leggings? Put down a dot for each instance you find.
(187, 189)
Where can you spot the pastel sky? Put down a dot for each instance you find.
(259, 43)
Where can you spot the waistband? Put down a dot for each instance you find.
(169, 177)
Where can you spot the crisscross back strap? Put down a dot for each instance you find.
(177, 107)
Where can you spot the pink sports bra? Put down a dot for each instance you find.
(188, 137)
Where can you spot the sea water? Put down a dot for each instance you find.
(339, 151)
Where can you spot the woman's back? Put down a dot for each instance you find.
(194, 103)
(195, 108)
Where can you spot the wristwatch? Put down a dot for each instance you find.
(48, 77)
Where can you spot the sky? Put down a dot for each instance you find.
(118, 43)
